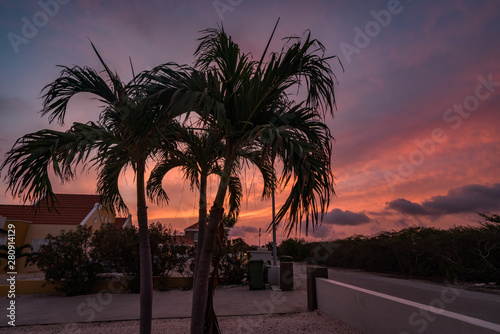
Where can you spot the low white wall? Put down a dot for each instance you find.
(377, 313)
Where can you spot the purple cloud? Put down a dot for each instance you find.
(468, 199)
(345, 218)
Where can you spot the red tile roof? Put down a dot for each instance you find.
(71, 210)
(195, 226)
(120, 221)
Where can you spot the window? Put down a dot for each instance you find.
(195, 236)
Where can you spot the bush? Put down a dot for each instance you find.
(117, 250)
(231, 257)
(470, 253)
(76, 257)
(65, 258)
(294, 248)
(168, 255)
(233, 269)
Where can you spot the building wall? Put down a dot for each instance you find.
(35, 234)
(21, 229)
(191, 235)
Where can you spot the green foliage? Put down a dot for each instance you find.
(233, 268)
(167, 253)
(65, 258)
(470, 253)
(76, 257)
(116, 249)
(293, 247)
(233, 262)
(239, 246)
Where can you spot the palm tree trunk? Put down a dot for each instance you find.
(202, 220)
(146, 267)
(201, 285)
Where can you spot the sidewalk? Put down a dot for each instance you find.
(105, 306)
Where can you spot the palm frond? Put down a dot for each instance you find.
(235, 195)
(154, 187)
(32, 155)
(107, 181)
(71, 82)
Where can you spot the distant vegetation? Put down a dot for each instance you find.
(75, 258)
(469, 253)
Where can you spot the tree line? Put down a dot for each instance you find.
(467, 253)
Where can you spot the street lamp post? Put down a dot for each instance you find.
(275, 261)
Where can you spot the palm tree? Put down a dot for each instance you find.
(246, 102)
(130, 131)
(198, 156)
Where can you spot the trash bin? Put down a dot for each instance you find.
(256, 274)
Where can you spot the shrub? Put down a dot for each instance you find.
(294, 248)
(470, 253)
(117, 250)
(65, 258)
(233, 269)
(167, 253)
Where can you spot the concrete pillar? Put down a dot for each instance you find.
(312, 272)
(286, 276)
(273, 275)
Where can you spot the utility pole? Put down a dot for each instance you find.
(275, 261)
(259, 237)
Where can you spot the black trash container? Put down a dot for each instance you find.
(256, 274)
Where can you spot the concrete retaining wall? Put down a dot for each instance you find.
(377, 313)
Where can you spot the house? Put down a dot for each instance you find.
(191, 234)
(33, 223)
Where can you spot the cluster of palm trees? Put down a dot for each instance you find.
(225, 112)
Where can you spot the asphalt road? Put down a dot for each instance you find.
(478, 305)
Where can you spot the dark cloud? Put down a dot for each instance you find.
(345, 218)
(405, 206)
(468, 199)
(241, 231)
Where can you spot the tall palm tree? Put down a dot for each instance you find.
(130, 131)
(198, 156)
(247, 103)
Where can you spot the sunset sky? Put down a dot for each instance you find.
(417, 125)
